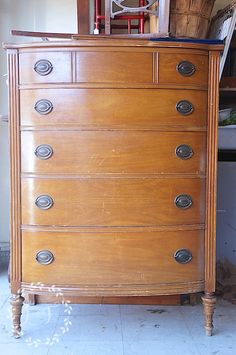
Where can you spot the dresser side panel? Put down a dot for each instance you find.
(211, 182)
(14, 135)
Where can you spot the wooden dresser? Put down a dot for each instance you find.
(113, 168)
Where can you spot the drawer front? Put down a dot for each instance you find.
(112, 258)
(118, 67)
(113, 201)
(114, 108)
(48, 67)
(183, 69)
(113, 152)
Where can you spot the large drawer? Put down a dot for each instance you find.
(45, 67)
(113, 201)
(113, 108)
(113, 152)
(112, 258)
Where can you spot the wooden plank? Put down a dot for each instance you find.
(107, 17)
(41, 34)
(83, 16)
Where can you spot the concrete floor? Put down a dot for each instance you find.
(116, 329)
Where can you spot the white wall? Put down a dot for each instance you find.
(219, 4)
(28, 15)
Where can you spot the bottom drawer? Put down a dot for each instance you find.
(112, 258)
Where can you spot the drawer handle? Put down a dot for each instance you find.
(184, 107)
(43, 67)
(43, 107)
(184, 151)
(186, 68)
(44, 202)
(43, 151)
(183, 256)
(44, 257)
(183, 201)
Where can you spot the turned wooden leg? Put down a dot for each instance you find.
(209, 301)
(16, 303)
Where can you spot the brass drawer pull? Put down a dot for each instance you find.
(184, 151)
(43, 67)
(183, 201)
(183, 256)
(44, 257)
(43, 107)
(44, 202)
(186, 68)
(43, 151)
(184, 107)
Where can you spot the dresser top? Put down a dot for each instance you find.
(106, 41)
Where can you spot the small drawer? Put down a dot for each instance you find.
(45, 67)
(183, 69)
(114, 67)
(113, 258)
(114, 201)
(114, 108)
(113, 152)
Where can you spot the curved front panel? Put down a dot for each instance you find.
(113, 201)
(117, 258)
(113, 152)
(114, 108)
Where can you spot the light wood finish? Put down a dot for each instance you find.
(119, 42)
(112, 152)
(120, 66)
(16, 304)
(209, 302)
(28, 74)
(114, 108)
(211, 183)
(190, 18)
(113, 175)
(117, 258)
(15, 206)
(168, 72)
(113, 201)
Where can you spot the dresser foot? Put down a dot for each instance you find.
(209, 301)
(17, 303)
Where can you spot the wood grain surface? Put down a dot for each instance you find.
(114, 108)
(112, 152)
(113, 201)
(117, 258)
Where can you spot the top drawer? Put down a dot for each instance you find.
(45, 67)
(116, 66)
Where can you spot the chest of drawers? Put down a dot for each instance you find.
(113, 169)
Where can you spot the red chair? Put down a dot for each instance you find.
(99, 19)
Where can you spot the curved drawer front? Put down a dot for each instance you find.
(113, 201)
(112, 152)
(114, 108)
(183, 69)
(121, 258)
(114, 67)
(45, 67)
